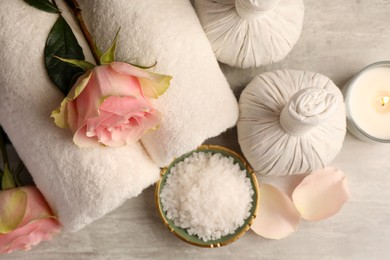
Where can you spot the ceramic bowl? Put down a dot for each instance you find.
(193, 239)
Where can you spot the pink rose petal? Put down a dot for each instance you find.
(81, 83)
(88, 102)
(153, 119)
(153, 84)
(30, 235)
(37, 207)
(105, 137)
(110, 105)
(73, 119)
(96, 122)
(81, 139)
(38, 223)
(124, 105)
(61, 114)
(277, 217)
(321, 194)
(114, 83)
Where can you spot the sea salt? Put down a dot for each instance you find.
(208, 195)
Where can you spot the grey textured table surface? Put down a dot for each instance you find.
(339, 38)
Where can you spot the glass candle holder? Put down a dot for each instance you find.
(367, 101)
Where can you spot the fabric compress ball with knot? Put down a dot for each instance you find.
(291, 122)
(250, 33)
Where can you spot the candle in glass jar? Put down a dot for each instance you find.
(368, 103)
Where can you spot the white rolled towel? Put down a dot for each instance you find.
(199, 103)
(80, 185)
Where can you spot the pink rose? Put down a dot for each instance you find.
(111, 105)
(25, 219)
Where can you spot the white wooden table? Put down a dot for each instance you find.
(339, 37)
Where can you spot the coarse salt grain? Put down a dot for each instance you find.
(208, 195)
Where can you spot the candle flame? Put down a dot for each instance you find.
(385, 100)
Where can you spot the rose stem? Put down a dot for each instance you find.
(76, 11)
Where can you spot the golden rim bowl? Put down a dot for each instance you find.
(193, 239)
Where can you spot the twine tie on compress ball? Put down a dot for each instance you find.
(306, 109)
(251, 9)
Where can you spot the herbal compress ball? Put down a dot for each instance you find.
(291, 122)
(250, 33)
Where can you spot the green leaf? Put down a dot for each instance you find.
(109, 55)
(44, 5)
(61, 42)
(98, 51)
(17, 173)
(20, 168)
(13, 204)
(84, 65)
(8, 179)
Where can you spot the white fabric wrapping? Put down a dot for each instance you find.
(250, 33)
(291, 122)
(199, 103)
(80, 185)
(306, 109)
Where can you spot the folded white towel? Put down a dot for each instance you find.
(80, 185)
(199, 103)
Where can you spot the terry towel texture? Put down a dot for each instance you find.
(199, 103)
(82, 185)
